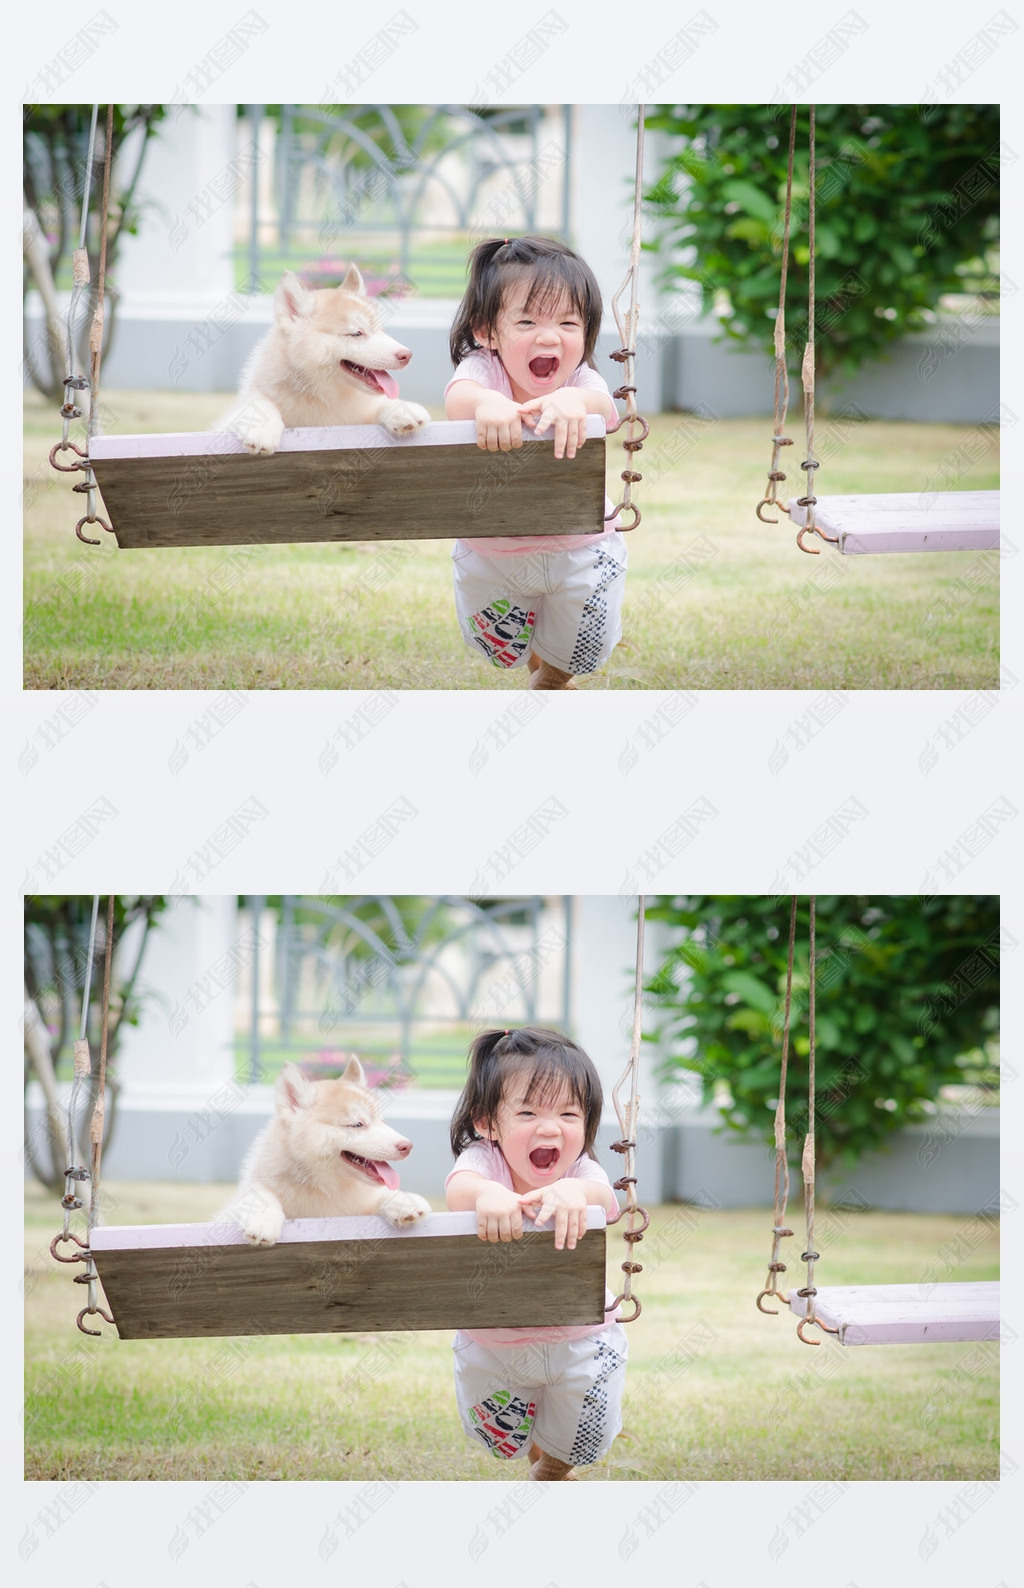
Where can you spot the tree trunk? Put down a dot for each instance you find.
(37, 1047)
(38, 262)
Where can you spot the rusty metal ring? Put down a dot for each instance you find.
(78, 1257)
(91, 1312)
(78, 531)
(636, 1305)
(634, 443)
(621, 1213)
(635, 1234)
(69, 468)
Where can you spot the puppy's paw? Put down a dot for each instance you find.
(404, 1207)
(263, 1229)
(264, 438)
(404, 419)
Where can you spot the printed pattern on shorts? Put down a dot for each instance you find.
(594, 1412)
(504, 1422)
(503, 631)
(594, 617)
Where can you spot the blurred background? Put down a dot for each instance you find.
(211, 995)
(210, 203)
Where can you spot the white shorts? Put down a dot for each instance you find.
(564, 605)
(565, 1395)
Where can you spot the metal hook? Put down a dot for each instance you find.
(772, 1311)
(77, 1257)
(625, 507)
(69, 468)
(88, 541)
(92, 1310)
(818, 1325)
(812, 551)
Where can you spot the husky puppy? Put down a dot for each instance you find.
(324, 362)
(326, 1152)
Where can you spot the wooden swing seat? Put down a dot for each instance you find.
(911, 521)
(342, 1275)
(352, 482)
(907, 1314)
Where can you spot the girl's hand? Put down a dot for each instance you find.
(566, 1202)
(499, 1216)
(567, 411)
(498, 426)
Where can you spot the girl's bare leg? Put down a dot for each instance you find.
(544, 676)
(545, 1468)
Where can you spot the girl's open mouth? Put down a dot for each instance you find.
(373, 1169)
(544, 1157)
(376, 379)
(543, 368)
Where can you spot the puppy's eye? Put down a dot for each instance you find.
(357, 1124)
(356, 333)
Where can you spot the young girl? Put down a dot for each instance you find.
(522, 345)
(522, 1135)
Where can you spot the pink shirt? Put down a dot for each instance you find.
(485, 1158)
(487, 370)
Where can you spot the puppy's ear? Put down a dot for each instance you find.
(291, 300)
(354, 1072)
(353, 281)
(293, 1091)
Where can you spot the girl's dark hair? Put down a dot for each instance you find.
(547, 1059)
(553, 271)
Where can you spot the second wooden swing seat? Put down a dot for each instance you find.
(907, 1314)
(906, 521)
(352, 482)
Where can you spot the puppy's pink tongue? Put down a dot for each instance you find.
(387, 1174)
(386, 382)
(543, 1157)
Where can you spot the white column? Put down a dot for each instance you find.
(601, 218)
(182, 1048)
(192, 180)
(604, 961)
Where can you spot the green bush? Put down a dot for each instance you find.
(906, 210)
(906, 1002)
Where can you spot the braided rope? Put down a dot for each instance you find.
(775, 1265)
(775, 474)
(627, 1117)
(810, 1256)
(626, 354)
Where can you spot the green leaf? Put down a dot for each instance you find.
(752, 199)
(751, 990)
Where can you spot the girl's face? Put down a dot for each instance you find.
(540, 1139)
(539, 348)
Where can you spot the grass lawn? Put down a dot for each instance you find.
(714, 1390)
(714, 599)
